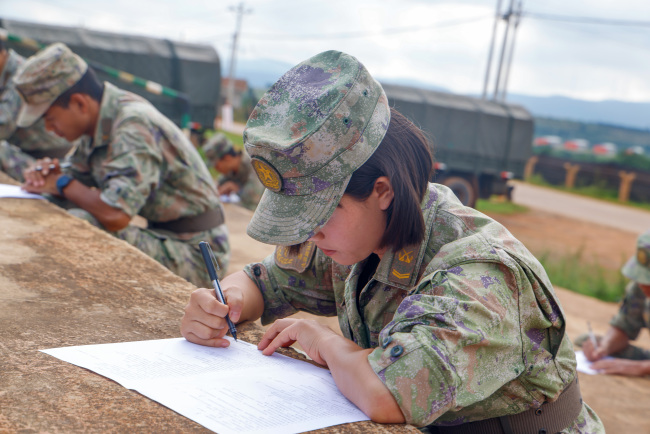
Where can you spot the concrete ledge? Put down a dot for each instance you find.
(64, 282)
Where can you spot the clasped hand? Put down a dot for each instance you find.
(41, 176)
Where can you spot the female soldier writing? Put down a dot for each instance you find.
(448, 321)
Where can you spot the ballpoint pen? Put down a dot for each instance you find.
(209, 259)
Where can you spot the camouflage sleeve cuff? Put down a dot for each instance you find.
(631, 330)
(117, 198)
(629, 318)
(275, 304)
(419, 377)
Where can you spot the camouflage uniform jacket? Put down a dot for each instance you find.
(634, 313)
(250, 187)
(142, 162)
(465, 326)
(32, 139)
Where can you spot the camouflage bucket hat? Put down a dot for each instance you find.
(319, 123)
(216, 147)
(44, 77)
(637, 268)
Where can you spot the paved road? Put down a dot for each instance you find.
(581, 208)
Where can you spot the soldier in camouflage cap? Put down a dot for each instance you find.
(130, 160)
(237, 176)
(216, 147)
(313, 128)
(637, 268)
(447, 320)
(20, 146)
(632, 317)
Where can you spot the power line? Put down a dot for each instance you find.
(586, 20)
(349, 35)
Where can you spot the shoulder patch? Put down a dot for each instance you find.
(299, 261)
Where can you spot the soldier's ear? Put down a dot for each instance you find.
(81, 102)
(384, 191)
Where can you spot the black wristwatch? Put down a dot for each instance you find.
(63, 182)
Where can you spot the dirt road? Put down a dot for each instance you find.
(581, 208)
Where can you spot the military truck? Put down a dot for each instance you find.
(193, 70)
(478, 145)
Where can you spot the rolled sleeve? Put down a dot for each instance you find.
(275, 304)
(446, 348)
(286, 292)
(629, 317)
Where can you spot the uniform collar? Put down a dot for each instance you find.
(107, 112)
(401, 269)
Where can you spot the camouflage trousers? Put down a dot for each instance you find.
(181, 256)
(631, 352)
(13, 160)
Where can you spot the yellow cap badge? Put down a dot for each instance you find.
(642, 257)
(269, 177)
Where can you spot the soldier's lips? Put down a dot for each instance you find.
(328, 252)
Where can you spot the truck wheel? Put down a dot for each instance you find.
(463, 189)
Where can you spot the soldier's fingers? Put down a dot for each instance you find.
(211, 342)
(283, 339)
(45, 166)
(272, 332)
(235, 301)
(205, 299)
(203, 325)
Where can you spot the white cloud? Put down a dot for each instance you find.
(587, 61)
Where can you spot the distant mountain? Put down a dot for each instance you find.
(262, 73)
(413, 83)
(610, 112)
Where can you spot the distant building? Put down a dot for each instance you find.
(240, 92)
(576, 145)
(635, 150)
(552, 141)
(607, 149)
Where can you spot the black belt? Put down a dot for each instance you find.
(549, 418)
(198, 223)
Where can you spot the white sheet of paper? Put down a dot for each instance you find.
(228, 390)
(230, 198)
(584, 365)
(8, 190)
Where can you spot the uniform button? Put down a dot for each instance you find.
(397, 351)
(257, 271)
(387, 341)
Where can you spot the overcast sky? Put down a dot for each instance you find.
(445, 43)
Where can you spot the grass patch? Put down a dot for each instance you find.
(499, 205)
(575, 274)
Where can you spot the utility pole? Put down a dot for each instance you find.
(233, 54)
(506, 17)
(497, 17)
(517, 18)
